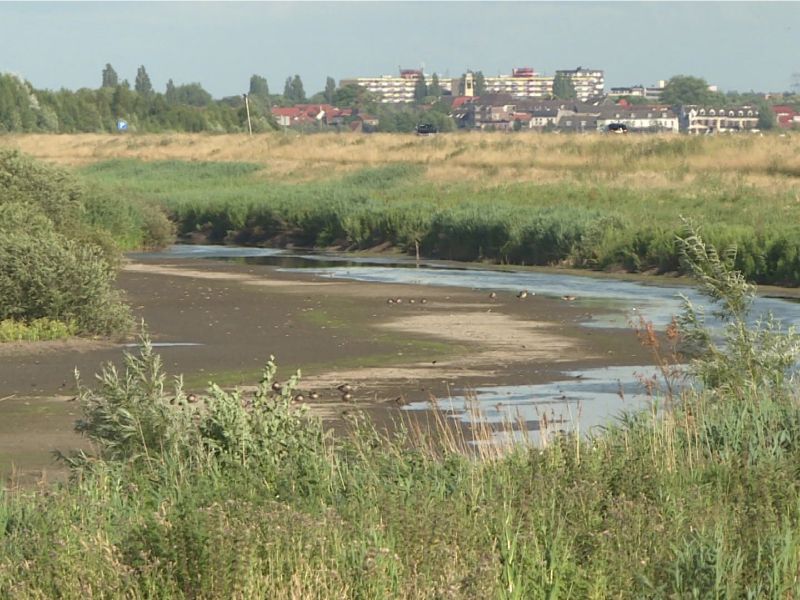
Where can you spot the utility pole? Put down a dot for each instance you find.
(247, 107)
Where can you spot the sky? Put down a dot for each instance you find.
(736, 45)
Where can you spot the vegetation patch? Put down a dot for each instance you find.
(38, 330)
(581, 220)
(235, 494)
(59, 250)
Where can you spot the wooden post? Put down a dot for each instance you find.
(247, 107)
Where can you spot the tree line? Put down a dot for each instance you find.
(189, 107)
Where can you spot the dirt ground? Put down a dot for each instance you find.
(229, 318)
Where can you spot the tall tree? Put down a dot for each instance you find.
(298, 93)
(683, 89)
(171, 95)
(420, 90)
(110, 78)
(330, 90)
(563, 88)
(766, 116)
(435, 89)
(142, 84)
(479, 83)
(259, 87)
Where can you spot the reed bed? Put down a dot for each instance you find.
(582, 222)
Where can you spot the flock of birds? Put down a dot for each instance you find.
(345, 389)
(521, 295)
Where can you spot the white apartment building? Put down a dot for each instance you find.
(588, 83)
(523, 82)
(393, 89)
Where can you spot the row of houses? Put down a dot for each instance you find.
(504, 112)
(307, 116)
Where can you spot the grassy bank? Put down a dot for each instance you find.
(608, 204)
(241, 495)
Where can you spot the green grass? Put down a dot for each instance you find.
(584, 222)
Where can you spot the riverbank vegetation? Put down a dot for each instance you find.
(240, 494)
(59, 249)
(596, 202)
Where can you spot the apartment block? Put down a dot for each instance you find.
(523, 82)
(393, 89)
(588, 83)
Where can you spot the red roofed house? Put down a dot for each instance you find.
(786, 116)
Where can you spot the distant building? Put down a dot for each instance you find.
(323, 115)
(786, 116)
(393, 89)
(523, 82)
(588, 83)
(640, 118)
(652, 93)
(718, 119)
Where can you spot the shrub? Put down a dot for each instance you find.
(49, 276)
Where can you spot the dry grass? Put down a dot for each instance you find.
(767, 162)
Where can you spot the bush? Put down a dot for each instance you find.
(50, 276)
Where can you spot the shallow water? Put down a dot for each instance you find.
(584, 399)
(618, 301)
(579, 401)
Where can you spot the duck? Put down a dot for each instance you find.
(276, 387)
(523, 294)
(492, 295)
(344, 388)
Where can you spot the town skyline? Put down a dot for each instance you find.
(738, 46)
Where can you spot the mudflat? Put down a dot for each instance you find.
(220, 321)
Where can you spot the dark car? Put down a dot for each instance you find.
(426, 129)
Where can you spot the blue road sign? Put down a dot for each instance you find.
(122, 125)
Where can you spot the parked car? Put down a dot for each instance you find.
(426, 129)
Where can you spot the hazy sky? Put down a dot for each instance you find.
(737, 45)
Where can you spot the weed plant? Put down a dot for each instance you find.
(38, 330)
(238, 494)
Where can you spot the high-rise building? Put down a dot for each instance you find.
(393, 88)
(588, 83)
(523, 82)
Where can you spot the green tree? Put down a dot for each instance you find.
(110, 79)
(479, 83)
(563, 88)
(298, 93)
(293, 91)
(142, 84)
(684, 89)
(435, 89)
(330, 90)
(192, 94)
(259, 87)
(420, 90)
(766, 116)
(170, 95)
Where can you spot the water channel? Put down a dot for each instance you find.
(585, 398)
